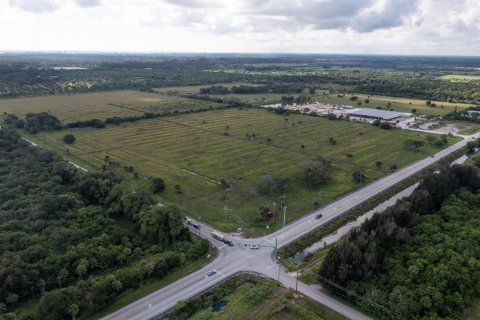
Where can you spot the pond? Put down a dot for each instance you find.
(219, 305)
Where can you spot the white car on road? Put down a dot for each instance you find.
(211, 272)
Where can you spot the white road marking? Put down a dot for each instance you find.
(248, 253)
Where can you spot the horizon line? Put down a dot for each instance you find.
(87, 52)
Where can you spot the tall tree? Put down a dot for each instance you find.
(315, 172)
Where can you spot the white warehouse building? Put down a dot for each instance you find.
(376, 114)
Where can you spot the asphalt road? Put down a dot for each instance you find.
(308, 222)
(240, 257)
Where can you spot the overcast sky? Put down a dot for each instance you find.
(447, 27)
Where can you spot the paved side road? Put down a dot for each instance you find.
(230, 261)
(240, 257)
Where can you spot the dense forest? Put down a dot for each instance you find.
(415, 77)
(71, 241)
(419, 259)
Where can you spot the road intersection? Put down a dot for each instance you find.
(239, 258)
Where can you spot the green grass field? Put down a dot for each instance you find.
(460, 78)
(279, 304)
(196, 89)
(100, 105)
(397, 104)
(259, 98)
(202, 144)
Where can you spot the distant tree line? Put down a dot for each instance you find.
(21, 77)
(30, 75)
(229, 101)
(34, 122)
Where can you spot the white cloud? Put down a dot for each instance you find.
(48, 6)
(337, 26)
(87, 3)
(35, 6)
(390, 14)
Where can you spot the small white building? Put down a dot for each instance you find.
(272, 106)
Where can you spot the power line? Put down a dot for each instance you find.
(365, 301)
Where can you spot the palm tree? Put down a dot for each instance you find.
(359, 176)
(73, 310)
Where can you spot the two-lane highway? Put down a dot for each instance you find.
(308, 222)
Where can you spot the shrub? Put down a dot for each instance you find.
(69, 138)
(157, 185)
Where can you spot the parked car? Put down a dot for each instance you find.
(254, 246)
(318, 216)
(211, 273)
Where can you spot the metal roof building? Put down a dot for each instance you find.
(376, 113)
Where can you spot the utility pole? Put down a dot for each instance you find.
(274, 204)
(276, 251)
(284, 214)
(296, 283)
(276, 256)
